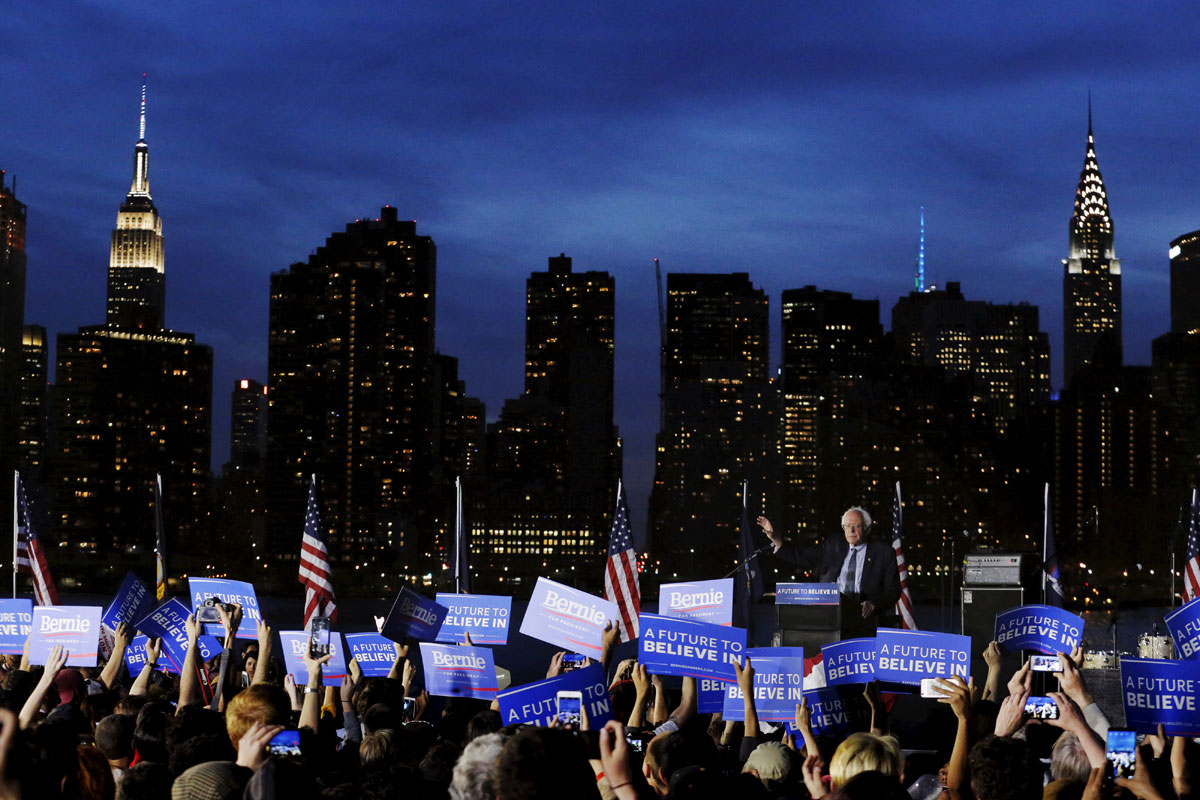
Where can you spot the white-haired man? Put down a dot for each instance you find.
(864, 569)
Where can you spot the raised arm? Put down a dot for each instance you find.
(189, 681)
(1071, 719)
(310, 711)
(641, 685)
(265, 643)
(958, 696)
(54, 664)
(112, 669)
(745, 682)
(991, 684)
(153, 651)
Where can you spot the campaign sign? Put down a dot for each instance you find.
(537, 703)
(567, 618)
(1045, 629)
(295, 647)
(710, 695)
(837, 711)
(778, 685)
(16, 623)
(703, 601)
(1184, 625)
(908, 656)
(806, 594)
(131, 602)
(1156, 690)
(458, 671)
(75, 628)
(230, 592)
(685, 647)
(413, 616)
(135, 654)
(849, 661)
(484, 616)
(168, 622)
(374, 653)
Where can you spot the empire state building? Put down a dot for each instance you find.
(136, 282)
(1092, 276)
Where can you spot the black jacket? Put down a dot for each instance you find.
(880, 579)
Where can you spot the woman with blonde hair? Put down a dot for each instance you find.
(865, 752)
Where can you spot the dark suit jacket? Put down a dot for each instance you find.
(880, 579)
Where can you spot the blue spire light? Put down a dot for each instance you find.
(920, 280)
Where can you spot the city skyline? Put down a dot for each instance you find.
(732, 166)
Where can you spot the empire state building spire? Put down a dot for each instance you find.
(136, 283)
(1092, 275)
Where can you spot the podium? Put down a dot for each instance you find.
(807, 615)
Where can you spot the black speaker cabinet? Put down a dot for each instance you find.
(980, 604)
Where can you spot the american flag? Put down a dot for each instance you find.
(1191, 569)
(314, 564)
(160, 544)
(30, 557)
(904, 606)
(620, 576)
(1052, 591)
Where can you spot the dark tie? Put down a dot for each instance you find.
(852, 571)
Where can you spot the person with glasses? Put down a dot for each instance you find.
(864, 570)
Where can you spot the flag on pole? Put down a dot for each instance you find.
(314, 564)
(460, 553)
(1191, 568)
(620, 575)
(750, 586)
(160, 544)
(1052, 592)
(904, 606)
(30, 556)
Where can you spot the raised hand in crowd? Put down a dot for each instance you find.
(293, 691)
(555, 669)
(957, 694)
(1021, 680)
(624, 779)
(1011, 716)
(310, 709)
(1071, 683)
(660, 713)
(54, 664)
(231, 621)
(1142, 783)
(266, 641)
(641, 686)
(1070, 718)
(153, 653)
(812, 769)
(252, 748)
(112, 669)
(879, 713)
(991, 684)
(1181, 775)
(745, 682)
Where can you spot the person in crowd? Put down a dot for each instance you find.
(863, 568)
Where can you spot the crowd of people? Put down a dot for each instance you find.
(206, 733)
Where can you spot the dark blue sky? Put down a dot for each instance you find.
(794, 141)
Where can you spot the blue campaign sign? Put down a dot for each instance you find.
(806, 594)
(229, 591)
(374, 653)
(710, 695)
(131, 602)
(1043, 628)
(908, 656)
(484, 616)
(703, 601)
(778, 685)
(459, 671)
(1156, 690)
(295, 646)
(837, 710)
(75, 628)
(1184, 625)
(537, 703)
(849, 661)
(16, 623)
(168, 622)
(413, 616)
(685, 647)
(567, 618)
(135, 654)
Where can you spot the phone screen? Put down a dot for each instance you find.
(319, 639)
(1120, 753)
(285, 743)
(410, 707)
(1045, 664)
(570, 713)
(572, 661)
(1041, 708)
(930, 688)
(636, 743)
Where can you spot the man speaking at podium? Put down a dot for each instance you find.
(864, 570)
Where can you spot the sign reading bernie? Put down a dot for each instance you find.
(413, 616)
(908, 656)
(685, 647)
(458, 671)
(703, 601)
(849, 661)
(567, 618)
(483, 616)
(537, 703)
(1184, 625)
(75, 628)
(295, 647)
(1159, 691)
(1035, 627)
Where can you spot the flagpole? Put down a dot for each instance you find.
(16, 487)
(458, 533)
(1045, 535)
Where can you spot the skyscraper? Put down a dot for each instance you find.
(34, 399)
(554, 455)
(248, 428)
(718, 423)
(352, 394)
(1091, 276)
(1185, 283)
(131, 400)
(12, 318)
(1175, 357)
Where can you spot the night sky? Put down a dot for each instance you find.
(789, 140)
